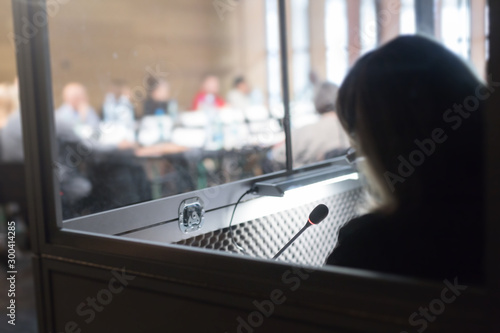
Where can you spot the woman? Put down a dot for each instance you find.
(413, 112)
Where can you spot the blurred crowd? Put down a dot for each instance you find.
(100, 151)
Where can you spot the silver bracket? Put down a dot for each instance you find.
(191, 215)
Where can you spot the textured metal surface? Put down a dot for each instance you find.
(264, 237)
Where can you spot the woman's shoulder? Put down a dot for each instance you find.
(361, 224)
(361, 240)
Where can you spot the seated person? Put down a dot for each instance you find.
(74, 186)
(76, 108)
(11, 142)
(208, 96)
(11, 139)
(242, 96)
(312, 142)
(92, 177)
(413, 112)
(8, 102)
(158, 101)
(117, 107)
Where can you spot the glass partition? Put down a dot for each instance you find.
(164, 99)
(158, 98)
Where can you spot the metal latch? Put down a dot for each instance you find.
(191, 215)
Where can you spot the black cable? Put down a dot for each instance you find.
(231, 222)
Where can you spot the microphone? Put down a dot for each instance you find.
(317, 215)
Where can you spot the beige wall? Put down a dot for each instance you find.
(7, 51)
(317, 36)
(96, 41)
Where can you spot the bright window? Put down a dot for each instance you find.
(337, 60)
(407, 21)
(455, 26)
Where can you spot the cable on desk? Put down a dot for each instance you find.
(241, 249)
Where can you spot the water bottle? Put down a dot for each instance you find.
(159, 113)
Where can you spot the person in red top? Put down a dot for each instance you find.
(209, 94)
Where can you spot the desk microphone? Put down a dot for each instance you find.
(317, 215)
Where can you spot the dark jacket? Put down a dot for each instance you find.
(417, 243)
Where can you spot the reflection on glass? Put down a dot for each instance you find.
(157, 98)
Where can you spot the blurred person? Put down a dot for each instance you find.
(78, 164)
(413, 111)
(312, 142)
(241, 95)
(11, 138)
(159, 101)
(208, 96)
(117, 106)
(310, 89)
(74, 186)
(9, 101)
(76, 108)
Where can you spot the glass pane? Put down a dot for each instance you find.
(327, 38)
(157, 98)
(319, 65)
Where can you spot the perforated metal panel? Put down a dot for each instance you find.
(264, 237)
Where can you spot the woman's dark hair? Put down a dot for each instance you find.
(413, 109)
